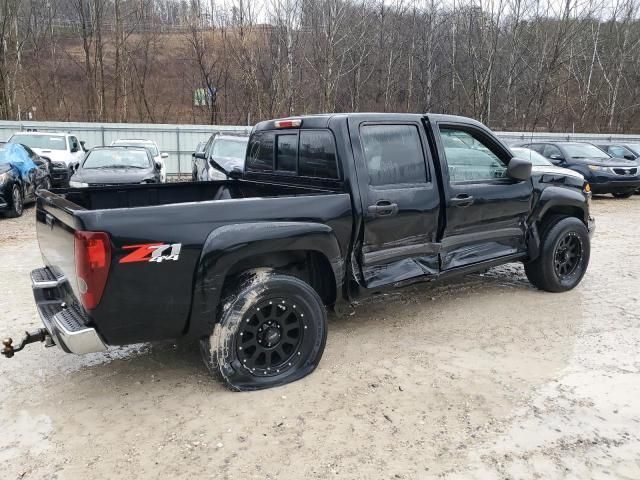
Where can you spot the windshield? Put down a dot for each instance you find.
(153, 150)
(117, 158)
(45, 142)
(230, 148)
(577, 150)
(534, 157)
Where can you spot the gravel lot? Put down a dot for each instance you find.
(483, 378)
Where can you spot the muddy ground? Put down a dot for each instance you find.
(483, 377)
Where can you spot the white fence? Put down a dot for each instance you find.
(179, 141)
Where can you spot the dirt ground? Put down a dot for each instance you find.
(482, 378)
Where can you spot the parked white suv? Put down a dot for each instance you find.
(63, 149)
(151, 146)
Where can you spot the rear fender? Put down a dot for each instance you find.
(230, 244)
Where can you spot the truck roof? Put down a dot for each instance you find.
(322, 120)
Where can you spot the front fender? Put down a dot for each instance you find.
(228, 245)
(562, 200)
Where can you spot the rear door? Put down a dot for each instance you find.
(485, 211)
(400, 200)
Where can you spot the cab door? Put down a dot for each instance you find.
(486, 211)
(400, 200)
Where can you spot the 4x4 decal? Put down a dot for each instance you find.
(152, 252)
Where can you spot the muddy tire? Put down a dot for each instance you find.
(17, 202)
(564, 255)
(272, 331)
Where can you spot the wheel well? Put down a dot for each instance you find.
(308, 265)
(562, 211)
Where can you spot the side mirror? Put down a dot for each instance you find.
(235, 173)
(519, 169)
(200, 155)
(157, 165)
(164, 155)
(556, 158)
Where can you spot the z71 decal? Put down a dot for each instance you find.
(152, 252)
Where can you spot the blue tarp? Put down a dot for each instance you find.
(18, 158)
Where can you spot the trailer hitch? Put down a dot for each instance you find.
(40, 335)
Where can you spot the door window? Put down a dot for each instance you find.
(550, 150)
(286, 152)
(317, 155)
(74, 145)
(537, 147)
(393, 154)
(470, 159)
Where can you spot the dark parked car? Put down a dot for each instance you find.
(104, 166)
(22, 174)
(606, 174)
(223, 153)
(619, 150)
(330, 208)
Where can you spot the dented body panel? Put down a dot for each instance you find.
(176, 247)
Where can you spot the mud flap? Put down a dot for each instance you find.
(533, 242)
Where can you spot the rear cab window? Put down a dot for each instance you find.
(307, 154)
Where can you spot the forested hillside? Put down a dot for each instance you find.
(513, 64)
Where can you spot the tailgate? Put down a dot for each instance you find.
(55, 226)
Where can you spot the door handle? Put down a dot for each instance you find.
(463, 200)
(383, 208)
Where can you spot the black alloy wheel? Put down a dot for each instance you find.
(565, 249)
(568, 255)
(271, 331)
(270, 336)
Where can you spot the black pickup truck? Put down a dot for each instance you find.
(328, 209)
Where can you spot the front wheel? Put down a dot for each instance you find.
(622, 195)
(564, 256)
(17, 202)
(272, 331)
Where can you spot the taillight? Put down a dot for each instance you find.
(93, 257)
(288, 123)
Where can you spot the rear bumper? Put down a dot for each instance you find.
(62, 315)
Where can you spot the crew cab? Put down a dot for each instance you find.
(329, 208)
(62, 149)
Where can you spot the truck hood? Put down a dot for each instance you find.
(54, 155)
(606, 162)
(112, 175)
(553, 170)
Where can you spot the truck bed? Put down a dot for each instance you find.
(128, 196)
(146, 300)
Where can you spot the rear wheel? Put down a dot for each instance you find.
(564, 255)
(272, 331)
(17, 202)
